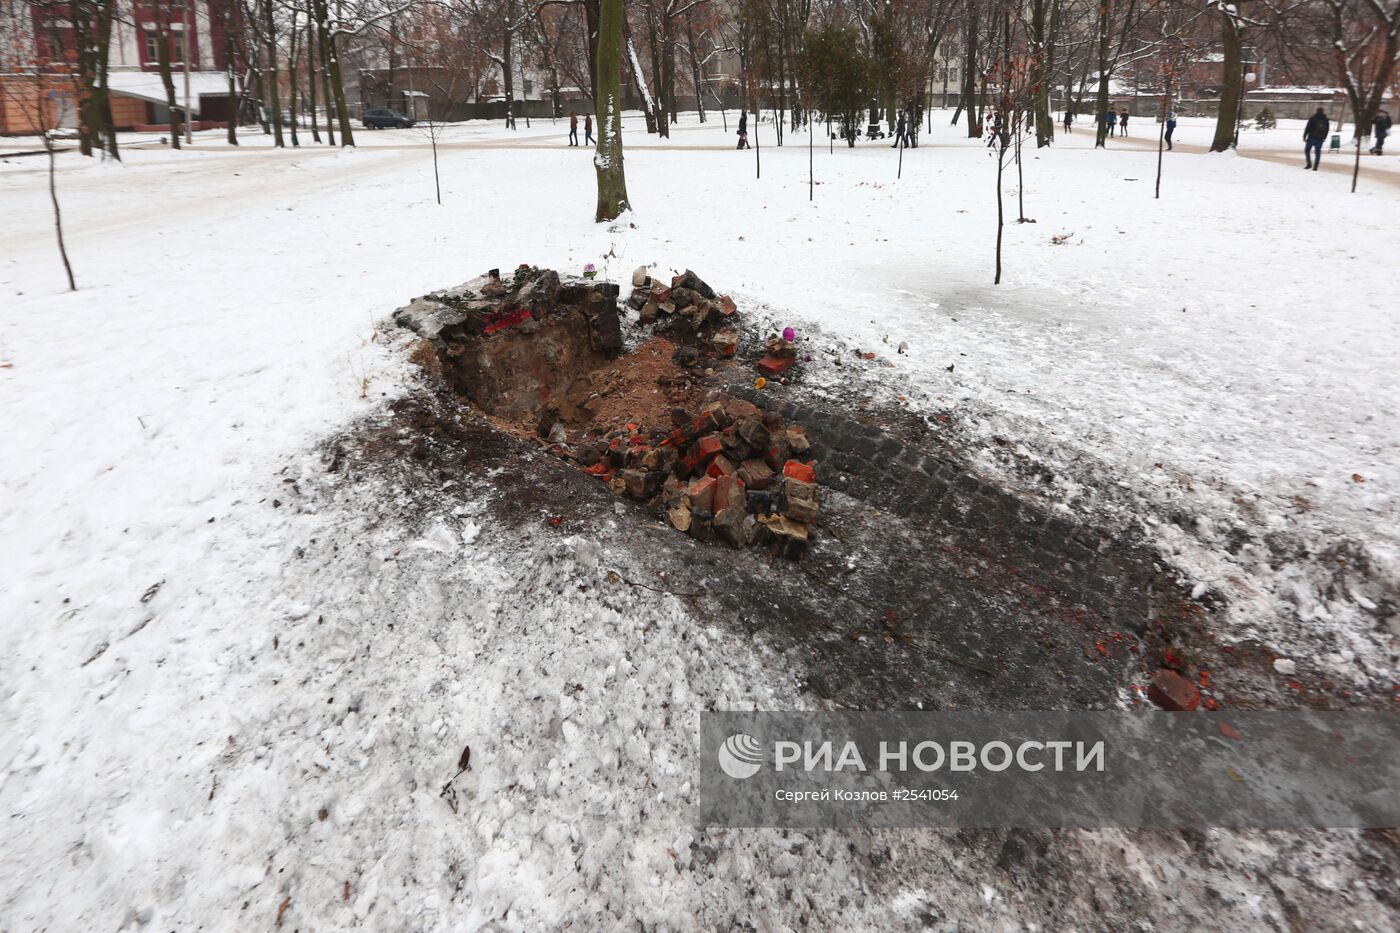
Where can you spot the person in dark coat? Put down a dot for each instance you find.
(743, 130)
(1069, 121)
(588, 128)
(1171, 127)
(1123, 122)
(1313, 135)
(901, 131)
(573, 128)
(1380, 129)
(1111, 120)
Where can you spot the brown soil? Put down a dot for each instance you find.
(641, 387)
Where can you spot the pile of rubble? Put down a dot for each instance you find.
(689, 313)
(513, 344)
(730, 472)
(541, 357)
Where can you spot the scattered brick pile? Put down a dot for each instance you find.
(732, 473)
(689, 312)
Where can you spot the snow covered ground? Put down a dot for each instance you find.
(232, 685)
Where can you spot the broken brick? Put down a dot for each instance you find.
(798, 500)
(729, 493)
(731, 524)
(756, 474)
(774, 366)
(702, 494)
(720, 466)
(1170, 690)
(790, 536)
(800, 471)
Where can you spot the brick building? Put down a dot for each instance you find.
(45, 37)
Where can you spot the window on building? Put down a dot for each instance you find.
(529, 87)
(177, 48)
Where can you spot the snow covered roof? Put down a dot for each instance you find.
(146, 85)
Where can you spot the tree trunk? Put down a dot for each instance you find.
(57, 214)
(106, 14)
(235, 102)
(331, 58)
(1045, 24)
(1101, 106)
(274, 92)
(310, 78)
(607, 157)
(292, 80)
(648, 105)
(509, 78)
(969, 92)
(163, 61)
(1232, 91)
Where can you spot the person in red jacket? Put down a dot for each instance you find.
(573, 128)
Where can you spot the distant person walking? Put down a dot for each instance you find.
(573, 128)
(1380, 128)
(1110, 120)
(1069, 121)
(743, 130)
(1123, 122)
(1313, 135)
(1171, 127)
(900, 131)
(588, 128)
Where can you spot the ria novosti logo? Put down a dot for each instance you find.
(740, 756)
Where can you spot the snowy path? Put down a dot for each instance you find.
(166, 757)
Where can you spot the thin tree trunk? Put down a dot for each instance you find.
(607, 157)
(292, 79)
(274, 92)
(106, 14)
(163, 61)
(969, 95)
(57, 214)
(311, 76)
(1101, 116)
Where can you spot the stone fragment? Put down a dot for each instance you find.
(774, 366)
(702, 494)
(1171, 691)
(798, 500)
(729, 494)
(789, 535)
(679, 517)
(640, 277)
(756, 474)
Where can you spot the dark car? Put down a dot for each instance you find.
(385, 119)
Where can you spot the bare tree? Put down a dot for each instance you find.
(607, 158)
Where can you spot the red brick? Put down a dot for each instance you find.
(801, 471)
(729, 493)
(726, 305)
(755, 474)
(774, 366)
(721, 466)
(702, 494)
(1170, 690)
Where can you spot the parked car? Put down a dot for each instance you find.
(385, 119)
